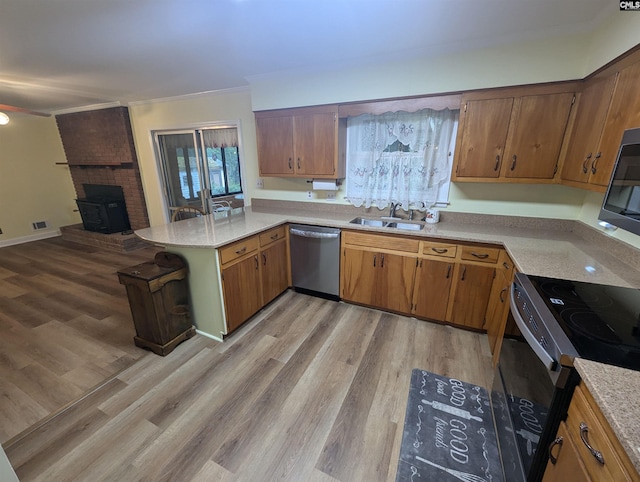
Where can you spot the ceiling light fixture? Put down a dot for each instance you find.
(4, 119)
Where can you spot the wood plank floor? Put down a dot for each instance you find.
(308, 390)
(65, 326)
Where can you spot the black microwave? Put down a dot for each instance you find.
(621, 205)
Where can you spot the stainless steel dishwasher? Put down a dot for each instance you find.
(315, 260)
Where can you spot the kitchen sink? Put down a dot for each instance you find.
(384, 223)
(407, 226)
(369, 222)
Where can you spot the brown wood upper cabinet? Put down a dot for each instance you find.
(583, 153)
(300, 142)
(624, 113)
(510, 134)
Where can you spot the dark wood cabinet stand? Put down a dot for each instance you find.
(159, 301)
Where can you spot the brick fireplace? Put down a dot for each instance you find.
(99, 148)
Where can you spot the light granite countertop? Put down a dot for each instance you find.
(538, 250)
(616, 392)
(551, 248)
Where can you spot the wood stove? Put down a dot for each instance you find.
(103, 209)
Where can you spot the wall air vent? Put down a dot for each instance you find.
(39, 225)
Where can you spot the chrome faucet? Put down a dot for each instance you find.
(392, 211)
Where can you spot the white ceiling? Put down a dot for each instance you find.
(62, 54)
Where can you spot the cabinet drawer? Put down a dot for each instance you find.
(380, 241)
(439, 249)
(477, 253)
(271, 236)
(238, 249)
(581, 413)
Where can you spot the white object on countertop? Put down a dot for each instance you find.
(325, 185)
(432, 215)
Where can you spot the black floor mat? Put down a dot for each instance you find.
(449, 433)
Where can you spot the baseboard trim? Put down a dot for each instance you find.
(31, 237)
(207, 335)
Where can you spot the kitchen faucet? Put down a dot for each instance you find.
(392, 211)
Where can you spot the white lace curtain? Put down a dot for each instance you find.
(400, 157)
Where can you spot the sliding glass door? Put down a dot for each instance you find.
(200, 167)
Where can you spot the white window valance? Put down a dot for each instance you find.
(400, 157)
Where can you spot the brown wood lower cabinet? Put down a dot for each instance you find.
(254, 271)
(569, 466)
(274, 261)
(242, 291)
(430, 279)
(498, 309)
(431, 292)
(471, 290)
(379, 279)
(585, 432)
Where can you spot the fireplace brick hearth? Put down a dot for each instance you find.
(100, 150)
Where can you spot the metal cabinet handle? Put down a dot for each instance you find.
(382, 260)
(374, 260)
(298, 163)
(584, 430)
(504, 290)
(479, 255)
(584, 164)
(506, 266)
(439, 250)
(497, 163)
(275, 236)
(290, 164)
(241, 250)
(448, 271)
(464, 270)
(257, 262)
(558, 441)
(513, 162)
(264, 259)
(595, 162)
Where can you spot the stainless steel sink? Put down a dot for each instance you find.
(386, 223)
(369, 222)
(407, 226)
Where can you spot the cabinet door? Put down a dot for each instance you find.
(568, 464)
(484, 132)
(497, 312)
(431, 291)
(535, 135)
(315, 144)
(275, 145)
(396, 275)
(624, 113)
(471, 294)
(274, 270)
(359, 275)
(242, 291)
(587, 129)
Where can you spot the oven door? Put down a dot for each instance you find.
(523, 394)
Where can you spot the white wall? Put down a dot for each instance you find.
(32, 187)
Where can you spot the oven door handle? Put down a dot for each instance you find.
(535, 345)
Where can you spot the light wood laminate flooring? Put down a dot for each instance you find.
(65, 326)
(308, 390)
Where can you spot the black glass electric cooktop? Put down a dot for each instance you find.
(601, 321)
